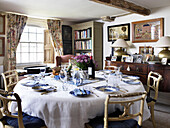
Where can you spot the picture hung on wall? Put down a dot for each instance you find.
(146, 50)
(2, 24)
(147, 30)
(2, 46)
(119, 31)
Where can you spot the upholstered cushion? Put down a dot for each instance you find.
(149, 99)
(29, 121)
(98, 122)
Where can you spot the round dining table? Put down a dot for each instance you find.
(60, 109)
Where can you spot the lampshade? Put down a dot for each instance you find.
(120, 43)
(163, 42)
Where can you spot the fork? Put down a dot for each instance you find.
(94, 93)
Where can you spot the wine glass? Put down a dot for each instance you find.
(106, 76)
(63, 78)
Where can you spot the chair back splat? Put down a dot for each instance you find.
(118, 119)
(19, 119)
(153, 81)
(10, 79)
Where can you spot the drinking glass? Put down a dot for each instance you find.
(106, 76)
(63, 78)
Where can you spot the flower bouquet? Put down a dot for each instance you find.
(82, 61)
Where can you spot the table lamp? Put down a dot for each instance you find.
(119, 43)
(164, 42)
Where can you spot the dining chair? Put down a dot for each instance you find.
(124, 119)
(17, 119)
(10, 79)
(153, 81)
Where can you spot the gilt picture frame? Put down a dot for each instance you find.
(119, 31)
(2, 24)
(147, 30)
(2, 46)
(146, 50)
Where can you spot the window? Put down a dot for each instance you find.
(31, 46)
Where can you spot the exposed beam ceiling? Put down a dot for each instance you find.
(125, 5)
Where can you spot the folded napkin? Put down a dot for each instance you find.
(80, 92)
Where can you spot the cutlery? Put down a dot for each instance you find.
(122, 88)
(94, 93)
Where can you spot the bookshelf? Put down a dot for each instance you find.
(88, 39)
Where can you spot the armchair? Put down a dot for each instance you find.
(63, 59)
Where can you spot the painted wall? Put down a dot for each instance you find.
(156, 13)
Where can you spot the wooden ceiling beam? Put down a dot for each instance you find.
(125, 5)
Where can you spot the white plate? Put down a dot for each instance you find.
(130, 77)
(107, 89)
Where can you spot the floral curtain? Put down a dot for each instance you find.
(55, 29)
(15, 26)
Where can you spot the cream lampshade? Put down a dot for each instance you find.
(164, 42)
(120, 43)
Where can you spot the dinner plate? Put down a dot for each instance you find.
(132, 82)
(107, 89)
(40, 89)
(29, 84)
(130, 77)
(80, 92)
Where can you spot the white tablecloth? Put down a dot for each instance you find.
(63, 110)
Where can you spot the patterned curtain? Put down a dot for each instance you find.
(15, 26)
(55, 29)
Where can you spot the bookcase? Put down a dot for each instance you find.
(87, 39)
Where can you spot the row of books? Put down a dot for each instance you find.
(83, 53)
(83, 44)
(82, 34)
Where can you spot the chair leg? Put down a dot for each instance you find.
(152, 116)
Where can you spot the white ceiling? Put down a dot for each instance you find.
(71, 10)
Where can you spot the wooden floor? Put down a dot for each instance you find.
(162, 120)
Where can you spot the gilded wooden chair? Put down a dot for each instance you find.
(153, 81)
(19, 119)
(10, 79)
(124, 119)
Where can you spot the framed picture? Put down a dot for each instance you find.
(137, 58)
(129, 59)
(147, 30)
(164, 61)
(2, 24)
(2, 46)
(119, 31)
(124, 58)
(146, 50)
(114, 58)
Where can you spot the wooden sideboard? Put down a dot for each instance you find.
(142, 70)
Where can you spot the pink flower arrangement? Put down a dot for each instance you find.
(82, 61)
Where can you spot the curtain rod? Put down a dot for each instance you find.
(4, 13)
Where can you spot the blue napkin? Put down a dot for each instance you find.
(80, 92)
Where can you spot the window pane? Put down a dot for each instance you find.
(25, 29)
(40, 57)
(40, 47)
(40, 37)
(32, 57)
(18, 57)
(24, 47)
(18, 47)
(32, 37)
(40, 30)
(24, 37)
(32, 47)
(24, 58)
(32, 29)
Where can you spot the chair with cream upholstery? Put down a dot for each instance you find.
(19, 119)
(10, 79)
(153, 81)
(124, 119)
